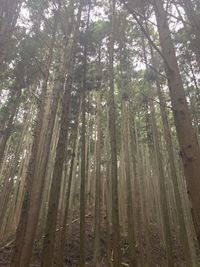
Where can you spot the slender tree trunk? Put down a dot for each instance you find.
(66, 210)
(8, 186)
(113, 147)
(41, 172)
(97, 251)
(163, 195)
(174, 176)
(129, 201)
(189, 147)
(82, 187)
(23, 246)
(50, 229)
(83, 146)
(20, 234)
(49, 239)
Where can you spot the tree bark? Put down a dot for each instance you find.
(50, 229)
(83, 146)
(129, 201)
(97, 252)
(24, 243)
(113, 147)
(189, 147)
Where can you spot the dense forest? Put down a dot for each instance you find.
(99, 133)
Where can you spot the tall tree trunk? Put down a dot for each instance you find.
(20, 234)
(8, 186)
(23, 246)
(113, 147)
(189, 147)
(82, 187)
(43, 157)
(83, 146)
(129, 201)
(163, 191)
(67, 200)
(50, 229)
(161, 175)
(174, 176)
(97, 252)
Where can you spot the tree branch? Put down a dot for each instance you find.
(133, 13)
(154, 100)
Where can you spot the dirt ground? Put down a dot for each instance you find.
(153, 252)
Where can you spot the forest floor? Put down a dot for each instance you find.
(155, 254)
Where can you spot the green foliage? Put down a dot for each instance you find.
(98, 31)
